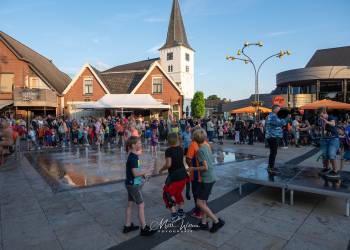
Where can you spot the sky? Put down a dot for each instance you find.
(106, 33)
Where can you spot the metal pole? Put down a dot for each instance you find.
(291, 197)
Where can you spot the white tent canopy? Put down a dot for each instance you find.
(124, 101)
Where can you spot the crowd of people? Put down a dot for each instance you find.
(188, 139)
(48, 131)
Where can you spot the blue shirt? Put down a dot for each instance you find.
(187, 138)
(274, 126)
(132, 162)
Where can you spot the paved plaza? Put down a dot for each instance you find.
(36, 216)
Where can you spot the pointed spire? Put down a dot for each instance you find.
(176, 30)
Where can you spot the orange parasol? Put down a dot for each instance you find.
(250, 110)
(329, 104)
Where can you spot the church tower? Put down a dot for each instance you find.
(177, 56)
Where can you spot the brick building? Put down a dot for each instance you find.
(30, 84)
(168, 79)
(144, 77)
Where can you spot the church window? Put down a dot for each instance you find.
(170, 56)
(187, 57)
(170, 68)
(157, 85)
(187, 69)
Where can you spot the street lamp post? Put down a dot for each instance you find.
(247, 59)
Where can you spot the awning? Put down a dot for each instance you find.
(125, 101)
(329, 104)
(5, 103)
(250, 110)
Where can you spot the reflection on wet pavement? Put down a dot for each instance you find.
(77, 167)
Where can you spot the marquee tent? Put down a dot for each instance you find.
(125, 101)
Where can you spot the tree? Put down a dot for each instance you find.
(213, 97)
(198, 105)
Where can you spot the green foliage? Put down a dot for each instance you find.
(213, 97)
(198, 105)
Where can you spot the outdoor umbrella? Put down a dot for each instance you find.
(250, 109)
(329, 104)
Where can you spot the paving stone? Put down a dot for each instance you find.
(20, 207)
(214, 240)
(59, 205)
(286, 213)
(334, 228)
(43, 245)
(185, 243)
(274, 227)
(71, 222)
(94, 196)
(26, 231)
(253, 240)
(85, 237)
(305, 242)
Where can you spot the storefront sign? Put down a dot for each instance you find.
(29, 95)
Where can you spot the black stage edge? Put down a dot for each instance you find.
(301, 158)
(224, 201)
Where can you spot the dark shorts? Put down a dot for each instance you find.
(204, 190)
(135, 194)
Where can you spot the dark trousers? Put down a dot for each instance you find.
(195, 190)
(273, 145)
(251, 137)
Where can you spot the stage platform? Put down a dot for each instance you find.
(299, 178)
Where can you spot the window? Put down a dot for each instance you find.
(6, 82)
(170, 68)
(157, 85)
(88, 88)
(187, 69)
(187, 57)
(176, 111)
(36, 83)
(170, 56)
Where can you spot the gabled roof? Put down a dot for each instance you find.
(176, 30)
(122, 79)
(122, 83)
(330, 57)
(42, 66)
(94, 71)
(135, 66)
(127, 78)
(156, 64)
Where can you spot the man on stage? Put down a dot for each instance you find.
(273, 135)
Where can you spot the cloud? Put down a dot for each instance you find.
(203, 73)
(280, 33)
(154, 49)
(102, 66)
(155, 20)
(71, 71)
(96, 40)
